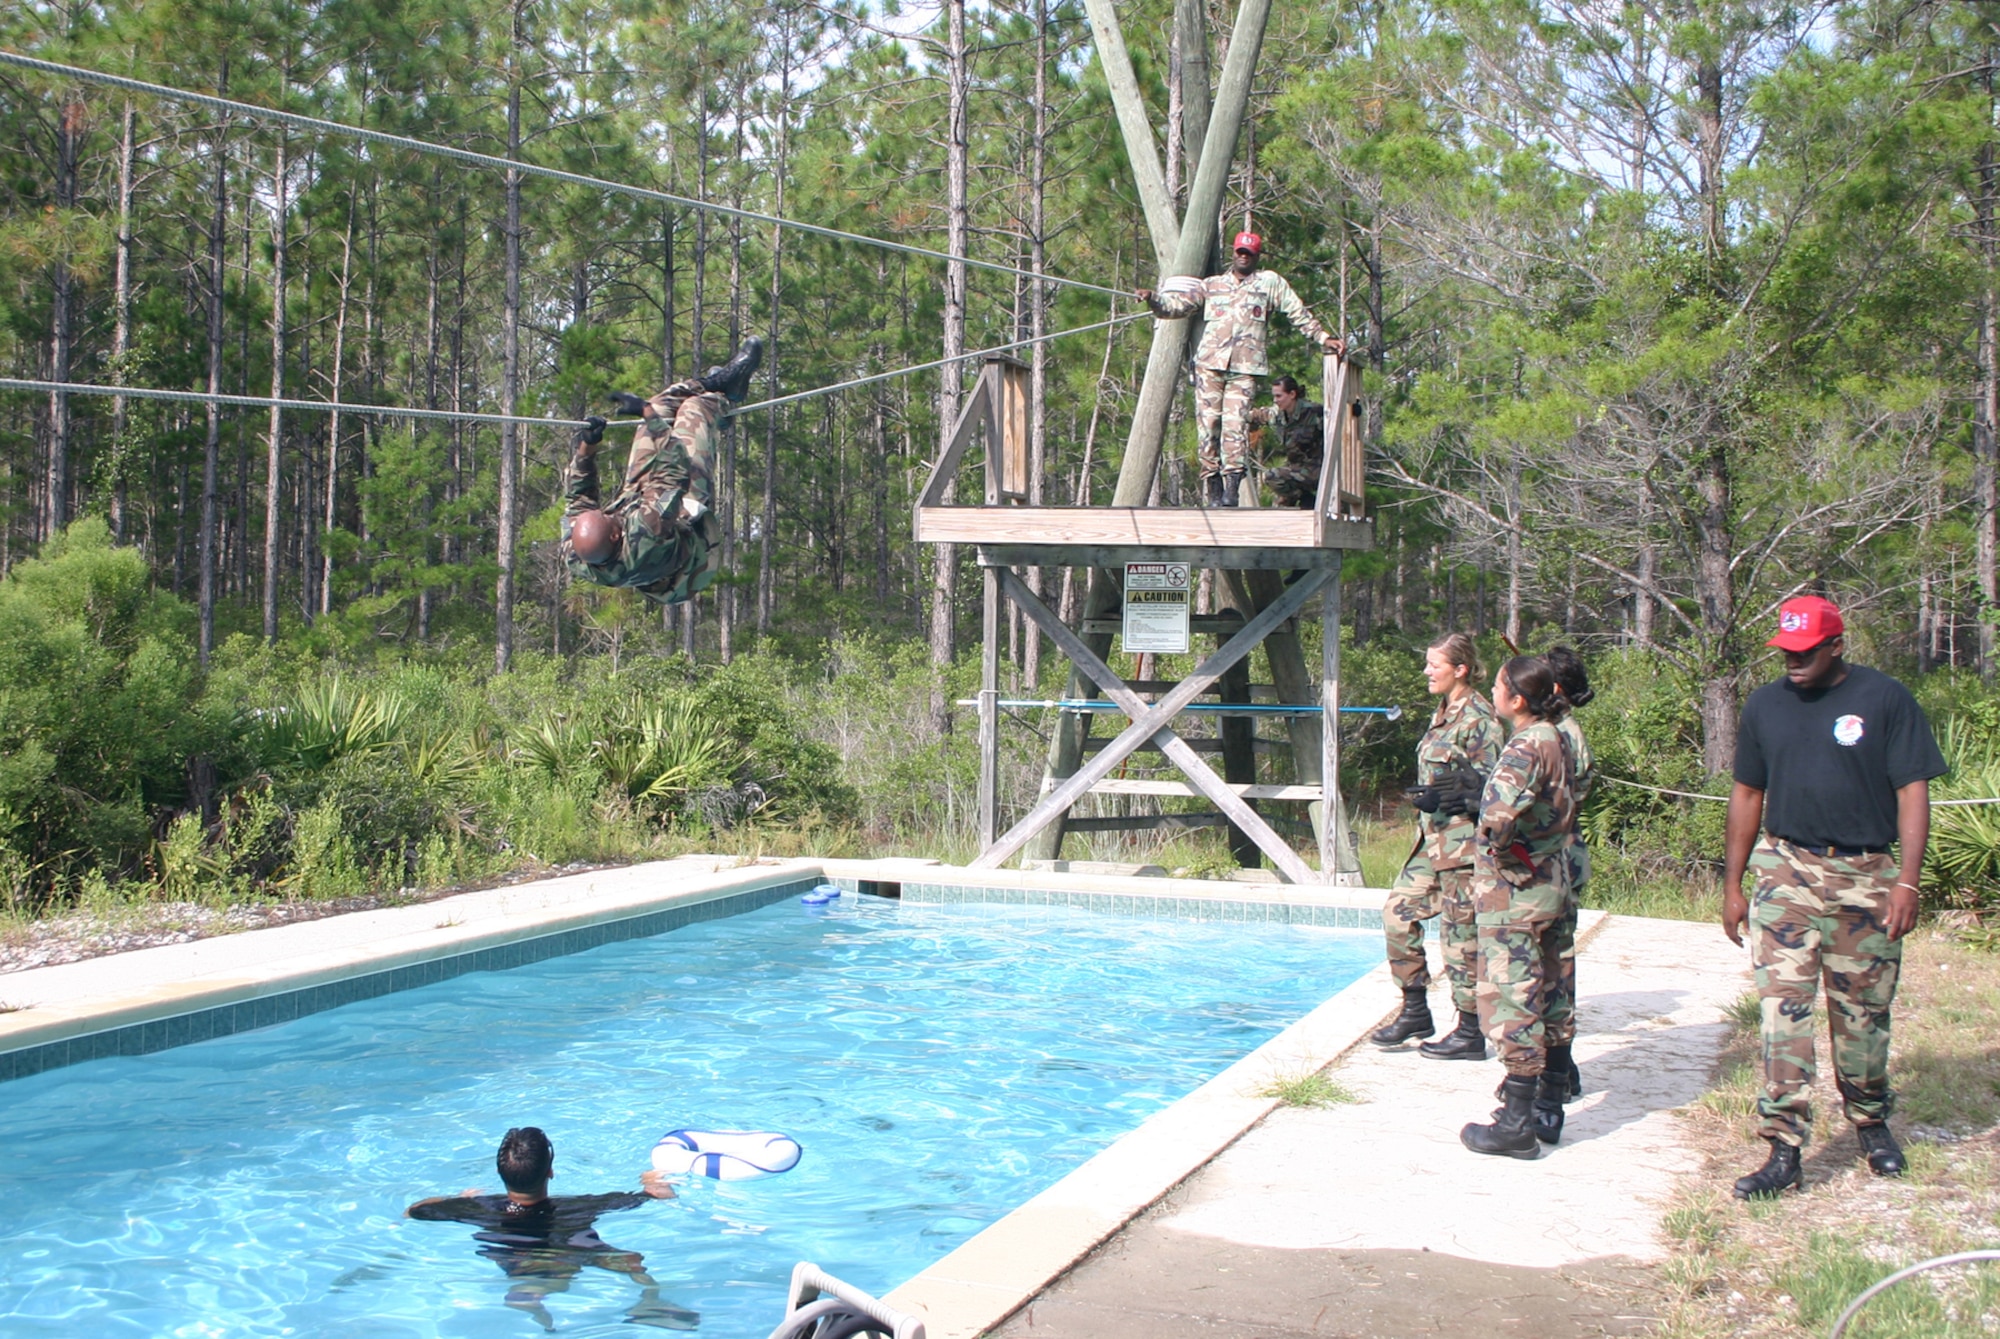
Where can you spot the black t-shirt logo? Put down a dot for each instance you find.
(1847, 730)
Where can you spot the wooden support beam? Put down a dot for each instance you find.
(1150, 722)
(1136, 129)
(989, 713)
(1252, 790)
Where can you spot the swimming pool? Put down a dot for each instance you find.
(939, 1063)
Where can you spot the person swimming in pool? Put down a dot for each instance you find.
(541, 1242)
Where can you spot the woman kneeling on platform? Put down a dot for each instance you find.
(1526, 911)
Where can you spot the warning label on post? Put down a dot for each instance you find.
(1158, 600)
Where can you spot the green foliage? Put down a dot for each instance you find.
(99, 709)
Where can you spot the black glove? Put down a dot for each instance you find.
(1456, 793)
(593, 432)
(1459, 792)
(627, 403)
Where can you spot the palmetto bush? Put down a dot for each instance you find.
(1962, 865)
(660, 752)
(326, 719)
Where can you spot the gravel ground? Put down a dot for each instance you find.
(74, 936)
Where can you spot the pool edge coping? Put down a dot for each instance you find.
(40, 1025)
(1006, 1265)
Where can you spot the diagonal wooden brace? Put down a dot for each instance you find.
(1151, 721)
(1176, 749)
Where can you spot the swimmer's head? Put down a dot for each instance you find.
(526, 1160)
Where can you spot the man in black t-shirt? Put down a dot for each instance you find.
(541, 1243)
(1833, 767)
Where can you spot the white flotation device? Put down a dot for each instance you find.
(725, 1155)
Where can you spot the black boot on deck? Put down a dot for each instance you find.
(1211, 490)
(1549, 1091)
(1232, 481)
(1885, 1155)
(1778, 1174)
(733, 377)
(1414, 1021)
(1464, 1042)
(1512, 1133)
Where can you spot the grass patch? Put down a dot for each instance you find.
(1784, 1269)
(1314, 1089)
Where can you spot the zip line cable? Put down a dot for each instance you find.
(528, 169)
(398, 411)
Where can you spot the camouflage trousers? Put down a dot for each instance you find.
(1423, 893)
(680, 440)
(1294, 486)
(1819, 919)
(1223, 398)
(1527, 969)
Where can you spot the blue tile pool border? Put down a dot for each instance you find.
(281, 1006)
(1164, 905)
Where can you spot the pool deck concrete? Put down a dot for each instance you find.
(1370, 1220)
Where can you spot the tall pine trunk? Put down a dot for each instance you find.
(69, 136)
(510, 374)
(944, 583)
(212, 443)
(273, 453)
(121, 319)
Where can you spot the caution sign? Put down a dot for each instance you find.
(1158, 600)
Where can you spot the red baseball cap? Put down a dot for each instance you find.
(1249, 241)
(1805, 622)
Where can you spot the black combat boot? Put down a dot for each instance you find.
(1414, 1021)
(1778, 1174)
(1512, 1133)
(1211, 490)
(1464, 1042)
(733, 377)
(1550, 1091)
(627, 403)
(1885, 1155)
(1559, 1058)
(1232, 481)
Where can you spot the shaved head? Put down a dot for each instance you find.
(593, 536)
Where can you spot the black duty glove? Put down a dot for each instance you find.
(1425, 798)
(627, 403)
(1459, 792)
(593, 432)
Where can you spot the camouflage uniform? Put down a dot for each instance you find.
(1522, 899)
(666, 555)
(1302, 433)
(1437, 878)
(1817, 917)
(1559, 1014)
(1231, 355)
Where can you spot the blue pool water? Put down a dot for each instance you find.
(940, 1064)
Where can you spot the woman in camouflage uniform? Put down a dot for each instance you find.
(1523, 902)
(1460, 747)
(1559, 1019)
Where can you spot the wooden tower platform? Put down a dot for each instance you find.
(1250, 548)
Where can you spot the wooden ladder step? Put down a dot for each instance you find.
(1120, 786)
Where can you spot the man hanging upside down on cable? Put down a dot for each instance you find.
(659, 534)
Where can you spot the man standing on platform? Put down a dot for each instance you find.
(1237, 306)
(1833, 767)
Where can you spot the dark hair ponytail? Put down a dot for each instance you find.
(1535, 684)
(1567, 666)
